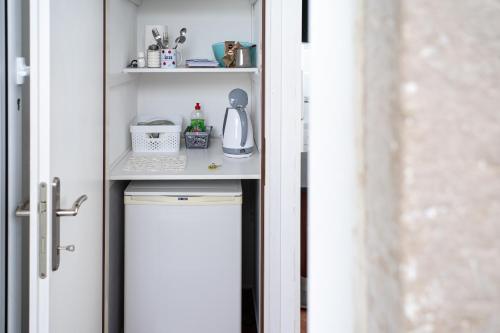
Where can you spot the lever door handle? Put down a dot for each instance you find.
(74, 210)
(23, 210)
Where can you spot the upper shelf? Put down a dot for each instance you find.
(139, 2)
(191, 70)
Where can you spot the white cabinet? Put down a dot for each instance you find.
(138, 92)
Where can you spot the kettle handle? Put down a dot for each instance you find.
(225, 120)
(244, 125)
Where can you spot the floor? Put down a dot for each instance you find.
(303, 321)
(248, 313)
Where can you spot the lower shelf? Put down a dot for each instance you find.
(196, 165)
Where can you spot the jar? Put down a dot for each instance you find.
(154, 56)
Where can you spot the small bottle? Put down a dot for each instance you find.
(197, 119)
(141, 61)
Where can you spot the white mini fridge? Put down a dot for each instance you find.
(183, 257)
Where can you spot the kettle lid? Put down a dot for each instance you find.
(238, 98)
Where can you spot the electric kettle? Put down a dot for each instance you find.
(237, 131)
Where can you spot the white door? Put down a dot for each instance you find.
(66, 141)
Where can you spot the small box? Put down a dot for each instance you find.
(198, 140)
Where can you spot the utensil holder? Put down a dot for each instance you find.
(168, 58)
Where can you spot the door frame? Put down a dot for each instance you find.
(3, 166)
(39, 289)
(283, 105)
(336, 301)
(335, 283)
(16, 247)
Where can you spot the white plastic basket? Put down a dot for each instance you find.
(156, 139)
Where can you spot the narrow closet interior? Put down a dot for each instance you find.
(142, 91)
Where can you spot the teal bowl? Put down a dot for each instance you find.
(218, 49)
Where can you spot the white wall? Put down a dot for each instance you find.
(381, 239)
(207, 22)
(256, 115)
(122, 89)
(176, 94)
(121, 109)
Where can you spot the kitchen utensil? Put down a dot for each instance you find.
(181, 39)
(218, 50)
(158, 38)
(237, 131)
(148, 36)
(165, 40)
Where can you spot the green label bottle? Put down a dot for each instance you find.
(197, 119)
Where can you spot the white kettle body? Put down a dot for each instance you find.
(237, 133)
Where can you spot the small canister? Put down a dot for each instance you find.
(154, 56)
(141, 62)
(243, 57)
(168, 58)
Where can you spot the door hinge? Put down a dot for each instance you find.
(21, 69)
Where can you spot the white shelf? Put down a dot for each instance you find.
(191, 70)
(197, 162)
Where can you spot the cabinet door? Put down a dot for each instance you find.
(66, 166)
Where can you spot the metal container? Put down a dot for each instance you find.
(197, 139)
(243, 57)
(153, 56)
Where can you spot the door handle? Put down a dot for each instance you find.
(57, 213)
(75, 209)
(23, 210)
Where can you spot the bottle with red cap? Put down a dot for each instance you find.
(197, 119)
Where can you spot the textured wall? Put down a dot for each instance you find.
(381, 32)
(451, 162)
